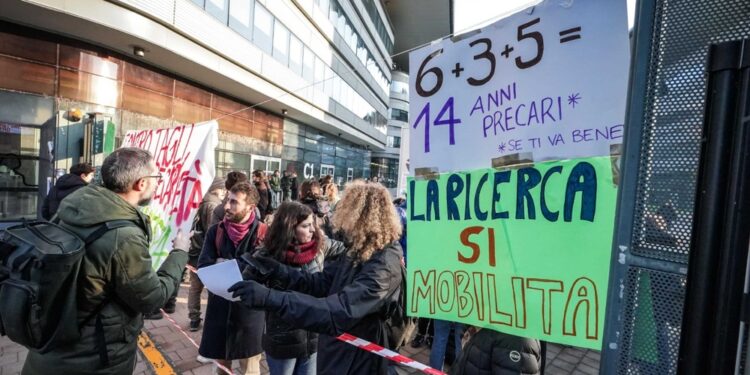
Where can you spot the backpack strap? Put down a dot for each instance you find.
(219, 239)
(106, 227)
(98, 325)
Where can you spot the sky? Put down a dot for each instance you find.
(467, 17)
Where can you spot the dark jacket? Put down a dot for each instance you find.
(64, 186)
(490, 352)
(286, 183)
(346, 297)
(282, 340)
(117, 269)
(204, 219)
(264, 203)
(294, 187)
(230, 330)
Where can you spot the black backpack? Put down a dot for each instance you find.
(39, 267)
(398, 325)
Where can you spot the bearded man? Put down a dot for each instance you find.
(231, 330)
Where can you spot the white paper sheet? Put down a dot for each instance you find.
(219, 277)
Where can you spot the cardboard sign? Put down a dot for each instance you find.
(548, 83)
(185, 158)
(523, 251)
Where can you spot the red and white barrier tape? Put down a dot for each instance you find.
(176, 325)
(388, 354)
(352, 340)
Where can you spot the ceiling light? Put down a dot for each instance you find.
(138, 51)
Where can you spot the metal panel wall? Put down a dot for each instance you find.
(661, 156)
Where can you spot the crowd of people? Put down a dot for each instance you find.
(315, 264)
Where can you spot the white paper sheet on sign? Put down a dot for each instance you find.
(549, 82)
(184, 156)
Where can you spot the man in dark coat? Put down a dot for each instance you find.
(293, 186)
(492, 352)
(116, 271)
(231, 330)
(286, 187)
(80, 175)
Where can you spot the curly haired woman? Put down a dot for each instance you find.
(351, 295)
(296, 240)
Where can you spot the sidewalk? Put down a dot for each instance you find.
(181, 353)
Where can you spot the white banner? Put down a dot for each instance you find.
(546, 83)
(184, 156)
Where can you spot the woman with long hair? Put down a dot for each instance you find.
(353, 294)
(295, 240)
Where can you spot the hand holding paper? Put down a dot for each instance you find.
(219, 277)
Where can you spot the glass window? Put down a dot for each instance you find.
(19, 171)
(263, 29)
(308, 62)
(323, 4)
(394, 141)
(295, 55)
(241, 16)
(399, 114)
(219, 9)
(200, 3)
(328, 85)
(319, 72)
(333, 12)
(281, 43)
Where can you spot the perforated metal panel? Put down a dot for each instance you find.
(673, 121)
(653, 340)
(660, 171)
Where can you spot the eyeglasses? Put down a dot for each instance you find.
(157, 176)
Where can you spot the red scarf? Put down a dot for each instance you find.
(238, 231)
(301, 254)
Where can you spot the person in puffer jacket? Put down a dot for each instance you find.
(294, 239)
(496, 353)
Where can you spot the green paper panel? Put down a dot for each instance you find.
(536, 266)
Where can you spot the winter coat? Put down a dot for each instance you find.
(264, 203)
(275, 182)
(204, 219)
(294, 187)
(282, 340)
(490, 352)
(116, 270)
(64, 186)
(230, 330)
(347, 297)
(286, 183)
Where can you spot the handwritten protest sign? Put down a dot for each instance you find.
(522, 251)
(185, 158)
(548, 82)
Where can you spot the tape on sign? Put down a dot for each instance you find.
(513, 161)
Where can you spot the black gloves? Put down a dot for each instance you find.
(263, 269)
(251, 293)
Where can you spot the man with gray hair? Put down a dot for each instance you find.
(116, 284)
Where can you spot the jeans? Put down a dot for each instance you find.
(194, 297)
(292, 366)
(248, 366)
(440, 341)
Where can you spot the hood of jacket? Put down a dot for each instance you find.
(93, 205)
(69, 182)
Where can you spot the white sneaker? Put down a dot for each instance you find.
(203, 359)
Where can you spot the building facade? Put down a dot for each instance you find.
(298, 85)
(391, 164)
